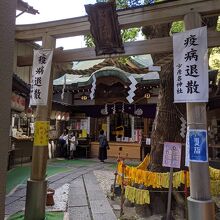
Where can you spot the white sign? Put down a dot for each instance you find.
(172, 154)
(40, 76)
(148, 141)
(191, 66)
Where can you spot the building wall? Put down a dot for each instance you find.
(67, 98)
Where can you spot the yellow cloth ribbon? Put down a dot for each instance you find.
(138, 196)
(137, 175)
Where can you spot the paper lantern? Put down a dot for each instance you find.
(29, 112)
(67, 116)
(53, 115)
(58, 115)
(63, 116)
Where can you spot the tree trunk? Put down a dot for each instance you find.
(166, 123)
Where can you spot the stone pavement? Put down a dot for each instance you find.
(86, 200)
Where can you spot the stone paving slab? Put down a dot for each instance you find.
(20, 192)
(14, 207)
(96, 195)
(77, 183)
(77, 194)
(79, 213)
(60, 176)
(103, 216)
(22, 198)
(55, 185)
(100, 207)
(79, 202)
(10, 199)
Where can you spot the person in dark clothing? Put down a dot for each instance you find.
(103, 146)
(63, 140)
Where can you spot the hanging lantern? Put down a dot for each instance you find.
(29, 112)
(67, 116)
(147, 95)
(84, 97)
(58, 115)
(53, 115)
(63, 116)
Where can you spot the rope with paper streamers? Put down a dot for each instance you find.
(92, 94)
(64, 86)
(131, 91)
(139, 175)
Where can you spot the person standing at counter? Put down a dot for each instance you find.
(64, 143)
(103, 146)
(73, 143)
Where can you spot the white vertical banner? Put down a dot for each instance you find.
(191, 66)
(40, 76)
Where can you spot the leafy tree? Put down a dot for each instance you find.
(177, 26)
(214, 61)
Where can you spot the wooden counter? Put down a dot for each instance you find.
(126, 150)
(23, 148)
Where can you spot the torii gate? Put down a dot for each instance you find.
(188, 10)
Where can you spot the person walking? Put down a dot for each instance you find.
(103, 146)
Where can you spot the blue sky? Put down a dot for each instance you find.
(51, 10)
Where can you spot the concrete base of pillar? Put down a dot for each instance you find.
(201, 210)
(35, 200)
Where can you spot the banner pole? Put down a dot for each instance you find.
(200, 205)
(37, 184)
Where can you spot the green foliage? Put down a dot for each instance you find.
(177, 26)
(129, 34)
(122, 4)
(218, 24)
(214, 60)
(89, 40)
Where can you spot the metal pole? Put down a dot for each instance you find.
(37, 184)
(200, 205)
(7, 30)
